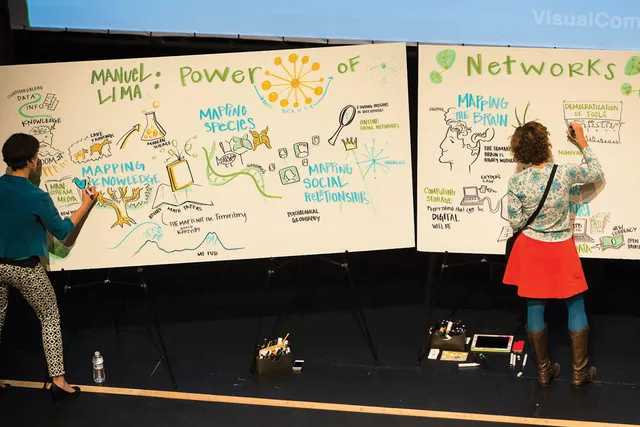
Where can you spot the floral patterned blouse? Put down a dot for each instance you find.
(527, 187)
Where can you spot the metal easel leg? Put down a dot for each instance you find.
(152, 314)
(358, 313)
(265, 300)
(430, 303)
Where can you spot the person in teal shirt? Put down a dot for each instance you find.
(27, 213)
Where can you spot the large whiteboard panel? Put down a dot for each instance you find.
(217, 157)
(462, 183)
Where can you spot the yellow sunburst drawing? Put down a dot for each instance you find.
(300, 89)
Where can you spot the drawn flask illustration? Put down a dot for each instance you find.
(153, 130)
(179, 174)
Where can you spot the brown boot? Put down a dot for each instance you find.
(582, 374)
(547, 370)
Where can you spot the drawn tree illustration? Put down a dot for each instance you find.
(122, 201)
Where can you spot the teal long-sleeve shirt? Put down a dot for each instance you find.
(26, 214)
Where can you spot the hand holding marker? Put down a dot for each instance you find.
(89, 196)
(575, 134)
(88, 192)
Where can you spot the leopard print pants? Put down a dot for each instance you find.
(36, 288)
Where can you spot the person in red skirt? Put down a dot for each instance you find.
(544, 262)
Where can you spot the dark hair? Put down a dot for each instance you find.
(530, 144)
(19, 149)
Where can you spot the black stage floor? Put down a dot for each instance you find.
(212, 358)
(30, 408)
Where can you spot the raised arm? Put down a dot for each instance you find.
(58, 227)
(592, 171)
(50, 217)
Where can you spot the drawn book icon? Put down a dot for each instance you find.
(179, 174)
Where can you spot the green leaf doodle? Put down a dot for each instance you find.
(524, 116)
(177, 154)
(626, 89)
(446, 58)
(633, 66)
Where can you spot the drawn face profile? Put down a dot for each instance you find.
(461, 146)
(289, 176)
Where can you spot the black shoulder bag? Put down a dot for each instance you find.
(512, 240)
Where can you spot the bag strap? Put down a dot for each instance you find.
(544, 198)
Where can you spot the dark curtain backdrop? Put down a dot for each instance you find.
(6, 46)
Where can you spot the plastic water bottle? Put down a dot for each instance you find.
(98, 368)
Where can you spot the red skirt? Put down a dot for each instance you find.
(545, 270)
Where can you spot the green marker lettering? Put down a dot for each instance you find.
(476, 65)
(576, 68)
(492, 66)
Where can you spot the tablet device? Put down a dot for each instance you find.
(492, 343)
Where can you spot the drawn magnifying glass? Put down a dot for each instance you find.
(347, 115)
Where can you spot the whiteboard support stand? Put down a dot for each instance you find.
(152, 313)
(357, 310)
(430, 301)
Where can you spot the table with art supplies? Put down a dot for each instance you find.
(451, 342)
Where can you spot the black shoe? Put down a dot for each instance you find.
(4, 390)
(59, 394)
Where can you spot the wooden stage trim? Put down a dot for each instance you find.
(335, 407)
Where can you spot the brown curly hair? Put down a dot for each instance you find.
(530, 144)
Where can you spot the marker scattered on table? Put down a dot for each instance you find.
(524, 363)
(468, 365)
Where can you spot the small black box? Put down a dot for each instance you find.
(456, 343)
(266, 366)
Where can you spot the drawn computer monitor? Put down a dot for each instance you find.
(471, 197)
(580, 231)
